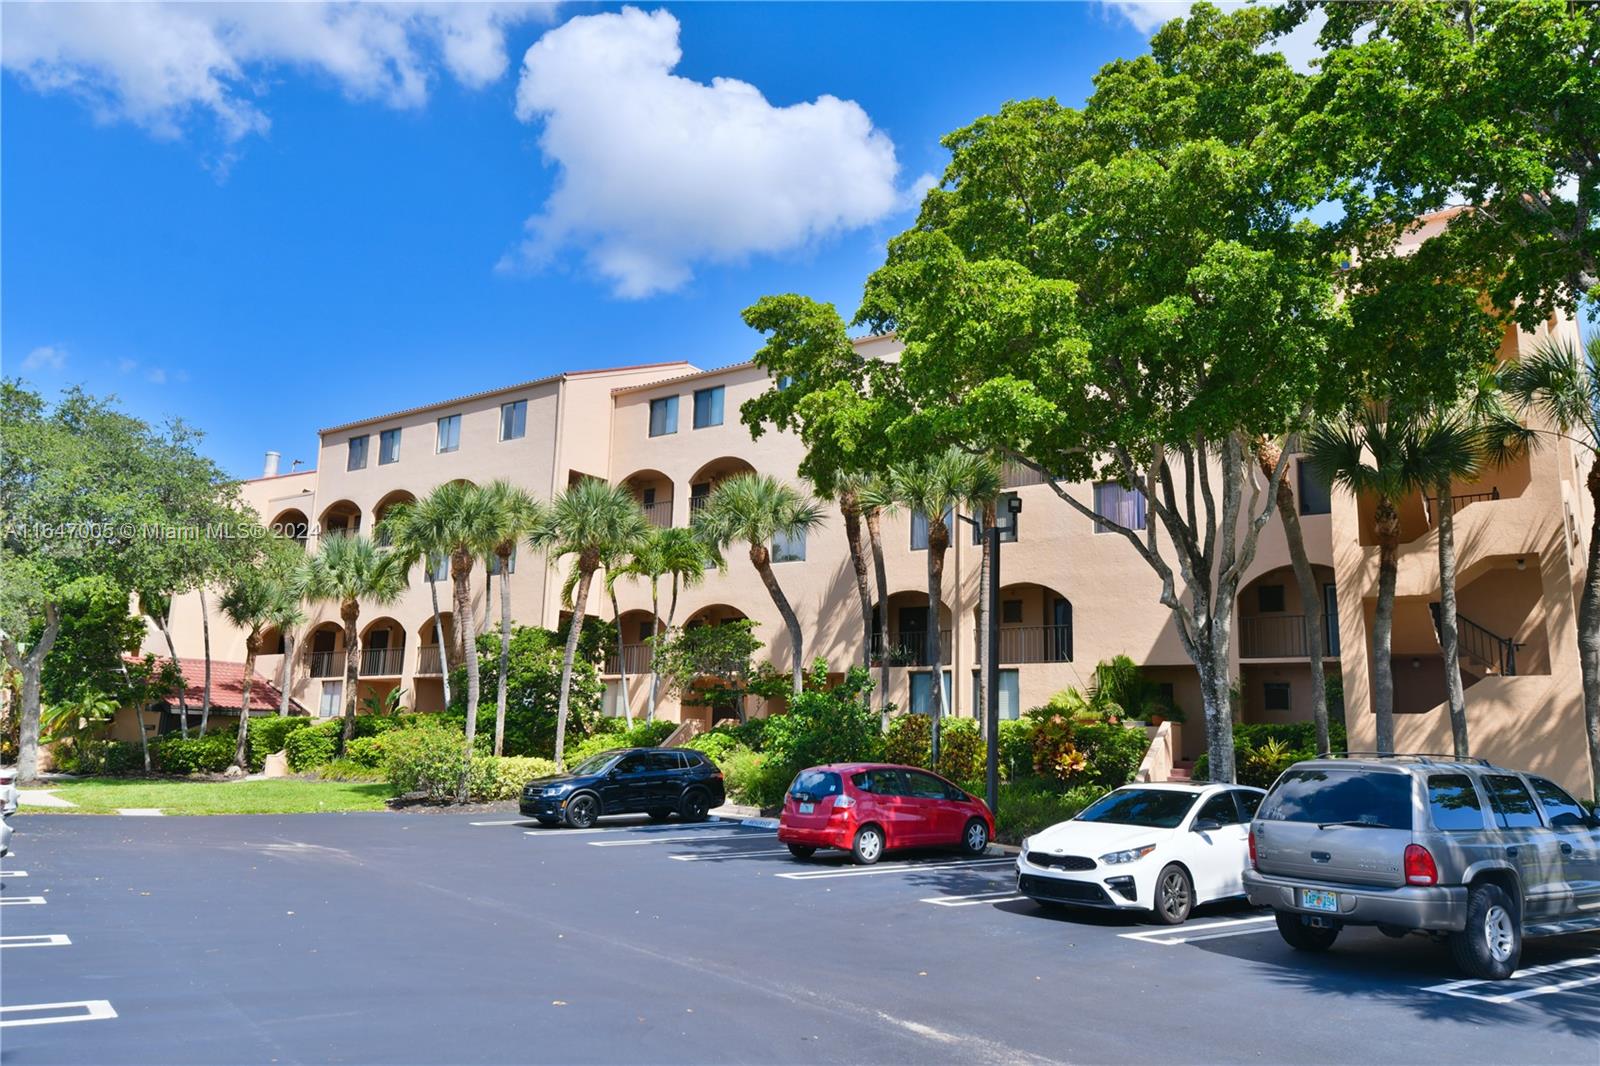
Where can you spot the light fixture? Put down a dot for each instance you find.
(1522, 564)
(1014, 505)
(1415, 662)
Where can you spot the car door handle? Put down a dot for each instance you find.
(1511, 852)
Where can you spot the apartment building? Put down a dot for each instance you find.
(1071, 593)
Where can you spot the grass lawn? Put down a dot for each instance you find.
(277, 796)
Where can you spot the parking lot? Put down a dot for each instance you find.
(447, 937)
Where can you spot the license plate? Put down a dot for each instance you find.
(807, 808)
(1313, 899)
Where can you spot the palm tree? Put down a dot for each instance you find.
(846, 492)
(619, 564)
(1559, 382)
(753, 509)
(253, 602)
(516, 515)
(680, 555)
(410, 532)
(877, 503)
(1374, 452)
(588, 520)
(935, 487)
(346, 570)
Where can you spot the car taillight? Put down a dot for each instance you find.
(841, 802)
(1253, 849)
(1420, 869)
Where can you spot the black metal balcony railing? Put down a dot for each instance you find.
(636, 657)
(382, 662)
(696, 503)
(1282, 636)
(909, 648)
(1031, 644)
(1430, 504)
(1497, 653)
(429, 661)
(658, 514)
(327, 663)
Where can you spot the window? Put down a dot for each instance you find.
(1249, 803)
(663, 416)
(1269, 599)
(493, 562)
(1011, 612)
(514, 420)
(633, 764)
(1454, 802)
(1512, 803)
(811, 785)
(919, 529)
(449, 433)
(1007, 521)
(329, 708)
(1010, 689)
(925, 786)
(388, 447)
(1354, 796)
(438, 568)
(787, 549)
(663, 760)
(1275, 695)
(1123, 506)
(922, 692)
(1315, 497)
(708, 407)
(357, 459)
(784, 381)
(1220, 809)
(1563, 811)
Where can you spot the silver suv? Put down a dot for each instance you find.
(1423, 843)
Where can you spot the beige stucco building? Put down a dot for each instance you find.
(1071, 595)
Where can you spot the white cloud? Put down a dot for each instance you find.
(1147, 16)
(156, 375)
(126, 365)
(658, 172)
(160, 64)
(46, 356)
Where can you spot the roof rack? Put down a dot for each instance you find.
(1430, 756)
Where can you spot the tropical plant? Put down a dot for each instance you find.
(588, 521)
(753, 509)
(254, 602)
(722, 653)
(345, 570)
(391, 703)
(878, 503)
(676, 554)
(516, 515)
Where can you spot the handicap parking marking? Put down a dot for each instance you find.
(81, 1010)
(722, 855)
(36, 940)
(975, 899)
(1471, 989)
(23, 901)
(895, 868)
(1189, 934)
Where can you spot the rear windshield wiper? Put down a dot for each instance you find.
(1361, 823)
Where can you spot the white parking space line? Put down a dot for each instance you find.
(975, 899)
(726, 854)
(1188, 934)
(82, 1010)
(1467, 989)
(36, 940)
(12, 873)
(898, 868)
(554, 833)
(676, 838)
(23, 901)
(505, 821)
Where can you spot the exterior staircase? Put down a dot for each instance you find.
(1483, 651)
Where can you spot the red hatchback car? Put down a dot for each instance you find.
(869, 808)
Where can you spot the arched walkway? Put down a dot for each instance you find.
(1035, 624)
(293, 524)
(653, 490)
(713, 614)
(381, 511)
(712, 474)
(383, 648)
(339, 519)
(1272, 615)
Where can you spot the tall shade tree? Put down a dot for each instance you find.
(157, 607)
(515, 515)
(936, 488)
(346, 570)
(253, 603)
(1558, 383)
(588, 521)
(983, 503)
(752, 509)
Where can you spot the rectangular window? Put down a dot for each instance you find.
(708, 407)
(357, 459)
(922, 692)
(1562, 810)
(438, 567)
(1011, 612)
(919, 529)
(1010, 690)
(1275, 695)
(1380, 799)
(663, 416)
(784, 381)
(789, 549)
(1126, 507)
(449, 433)
(1007, 521)
(388, 447)
(1454, 802)
(330, 705)
(514, 420)
(1512, 802)
(1269, 599)
(1314, 494)
(494, 563)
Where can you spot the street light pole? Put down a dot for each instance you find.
(991, 671)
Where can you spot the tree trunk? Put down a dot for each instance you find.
(622, 660)
(30, 666)
(505, 656)
(172, 656)
(438, 636)
(1388, 526)
(1589, 637)
(286, 676)
(350, 612)
(655, 635)
(1217, 700)
(461, 577)
(763, 565)
(851, 509)
(241, 750)
(985, 620)
(1449, 635)
(938, 542)
(881, 574)
(580, 601)
(138, 710)
(205, 636)
(1267, 456)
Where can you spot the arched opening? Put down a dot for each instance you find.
(633, 653)
(712, 474)
(713, 614)
(1272, 615)
(1035, 625)
(653, 490)
(293, 524)
(339, 519)
(383, 648)
(381, 511)
(904, 642)
(432, 659)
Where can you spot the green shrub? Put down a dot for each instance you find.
(314, 745)
(751, 781)
(1298, 741)
(347, 770)
(267, 736)
(909, 740)
(1016, 748)
(752, 734)
(365, 752)
(609, 727)
(427, 761)
(94, 755)
(210, 754)
(715, 744)
(1054, 753)
(1029, 805)
(592, 746)
(503, 778)
(824, 726)
(961, 749)
(533, 689)
(649, 734)
(1112, 753)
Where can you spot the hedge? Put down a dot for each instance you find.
(88, 756)
(267, 736)
(310, 747)
(210, 754)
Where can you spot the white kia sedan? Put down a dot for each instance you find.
(1160, 848)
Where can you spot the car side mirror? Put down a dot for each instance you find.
(1206, 825)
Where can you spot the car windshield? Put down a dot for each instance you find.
(595, 764)
(1339, 797)
(1156, 808)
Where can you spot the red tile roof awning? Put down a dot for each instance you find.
(227, 687)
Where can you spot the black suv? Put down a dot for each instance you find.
(653, 781)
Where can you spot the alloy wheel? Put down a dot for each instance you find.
(1174, 895)
(1498, 933)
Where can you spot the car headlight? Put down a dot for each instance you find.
(557, 790)
(1131, 855)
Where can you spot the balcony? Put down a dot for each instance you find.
(635, 657)
(382, 662)
(658, 514)
(1283, 636)
(429, 662)
(908, 649)
(327, 664)
(1031, 644)
(1430, 504)
(697, 504)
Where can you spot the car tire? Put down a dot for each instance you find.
(694, 807)
(1174, 898)
(975, 837)
(1490, 947)
(868, 846)
(660, 814)
(582, 810)
(1302, 937)
(802, 851)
